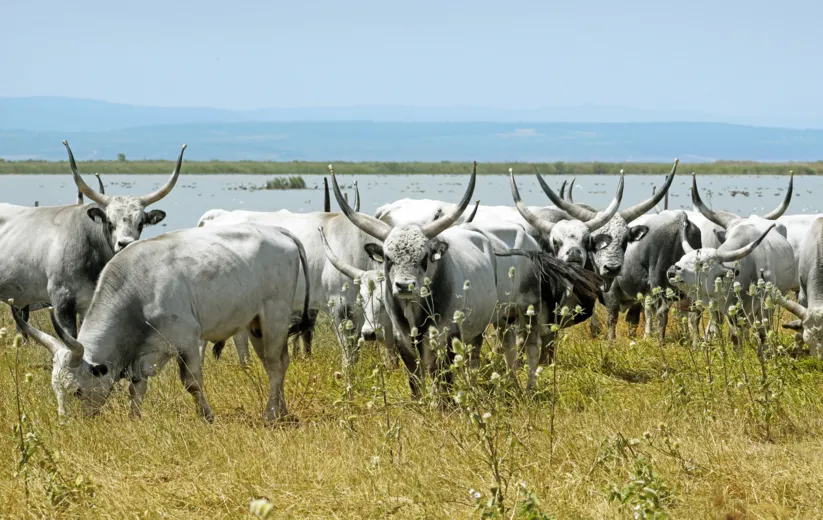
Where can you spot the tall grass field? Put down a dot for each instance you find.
(625, 429)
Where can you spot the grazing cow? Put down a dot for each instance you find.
(434, 276)
(157, 300)
(809, 305)
(645, 268)
(55, 254)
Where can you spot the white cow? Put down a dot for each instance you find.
(160, 298)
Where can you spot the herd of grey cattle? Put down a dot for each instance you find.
(417, 273)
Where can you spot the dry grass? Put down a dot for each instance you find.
(339, 462)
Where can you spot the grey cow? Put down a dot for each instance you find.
(645, 268)
(158, 299)
(55, 254)
(432, 260)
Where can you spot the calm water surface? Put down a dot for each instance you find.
(196, 194)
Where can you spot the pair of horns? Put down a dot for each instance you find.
(722, 255)
(380, 230)
(105, 200)
(327, 199)
(724, 218)
(592, 219)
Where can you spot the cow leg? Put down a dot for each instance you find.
(390, 352)
(241, 344)
(633, 319)
(533, 343)
(662, 318)
(202, 349)
(273, 350)
(547, 346)
(24, 312)
(594, 324)
(648, 314)
(612, 315)
(414, 368)
(137, 390)
(191, 374)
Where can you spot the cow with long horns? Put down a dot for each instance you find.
(435, 276)
(55, 254)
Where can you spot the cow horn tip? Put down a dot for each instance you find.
(185, 146)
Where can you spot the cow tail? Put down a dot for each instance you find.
(305, 322)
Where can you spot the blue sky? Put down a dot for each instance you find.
(754, 59)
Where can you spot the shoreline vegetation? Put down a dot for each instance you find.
(290, 168)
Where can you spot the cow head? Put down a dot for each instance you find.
(124, 217)
(370, 291)
(571, 240)
(409, 253)
(608, 243)
(701, 267)
(71, 375)
(809, 324)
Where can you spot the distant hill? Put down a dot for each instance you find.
(378, 141)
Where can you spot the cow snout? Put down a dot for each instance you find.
(404, 288)
(123, 243)
(574, 256)
(611, 270)
(672, 272)
(369, 335)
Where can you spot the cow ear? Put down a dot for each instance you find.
(438, 249)
(375, 252)
(155, 216)
(99, 370)
(96, 214)
(637, 232)
(721, 235)
(794, 325)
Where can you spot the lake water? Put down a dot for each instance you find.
(195, 194)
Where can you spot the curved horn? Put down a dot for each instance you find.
(793, 307)
(563, 190)
(742, 252)
(635, 211)
(570, 198)
(777, 212)
(72, 344)
(348, 270)
(356, 197)
(474, 211)
(602, 218)
(684, 240)
(100, 184)
(544, 226)
(666, 201)
(434, 228)
(721, 220)
(151, 198)
(571, 208)
(39, 336)
(84, 188)
(326, 198)
(374, 227)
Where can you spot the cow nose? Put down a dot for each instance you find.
(670, 272)
(574, 255)
(121, 244)
(369, 335)
(611, 270)
(404, 286)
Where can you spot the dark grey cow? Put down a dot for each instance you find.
(645, 268)
(55, 254)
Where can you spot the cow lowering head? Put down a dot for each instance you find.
(370, 289)
(124, 216)
(571, 240)
(610, 241)
(409, 254)
(809, 323)
(71, 375)
(701, 267)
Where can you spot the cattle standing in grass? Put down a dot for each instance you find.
(55, 254)
(645, 268)
(809, 305)
(434, 276)
(157, 300)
